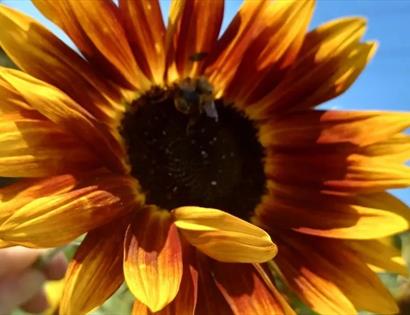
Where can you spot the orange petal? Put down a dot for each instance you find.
(139, 308)
(346, 74)
(347, 217)
(15, 196)
(31, 147)
(187, 40)
(147, 45)
(309, 128)
(95, 29)
(41, 215)
(63, 111)
(210, 299)
(327, 53)
(185, 301)
(95, 272)
(335, 168)
(243, 29)
(247, 292)
(4, 244)
(153, 259)
(330, 278)
(271, 52)
(40, 53)
(396, 148)
(381, 255)
(222, 236)
(12, 101)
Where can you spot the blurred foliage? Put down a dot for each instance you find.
(120, 303)
(5, 60)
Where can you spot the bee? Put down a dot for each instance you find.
(194, 97)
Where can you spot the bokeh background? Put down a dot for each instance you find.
(384, 85)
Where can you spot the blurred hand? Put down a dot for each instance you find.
(21, 284)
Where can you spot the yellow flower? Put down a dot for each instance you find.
(192, 160)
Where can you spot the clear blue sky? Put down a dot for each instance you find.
(385, 84)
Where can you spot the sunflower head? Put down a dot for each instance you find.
(196, 163)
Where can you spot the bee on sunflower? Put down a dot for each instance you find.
(197, 164)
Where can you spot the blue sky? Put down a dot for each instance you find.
(385, 84)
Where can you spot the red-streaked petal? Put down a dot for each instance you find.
(185, 301)
(247, 292)
(330, 278)
(12, 101)
(41, 215)
(270, 54)
(96, 30)
(145, 30)
(380, 254)
(327, 215)
(327, 52)
(95, 272)
(187, 40)
(336, 168)
(40, 53)
(243, 29)
(32, 147)
(153, 258)
(15, 196)
(210, 299)
(223, 236)
(318, 127)
(63, 111)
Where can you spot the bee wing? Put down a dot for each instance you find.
(210, 110)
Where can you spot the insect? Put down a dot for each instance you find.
(194, 98)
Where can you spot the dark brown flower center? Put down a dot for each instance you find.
(184, 155)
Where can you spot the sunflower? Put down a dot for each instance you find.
(192, 160)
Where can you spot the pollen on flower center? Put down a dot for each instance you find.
(187, 149)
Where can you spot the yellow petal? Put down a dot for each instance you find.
(95, 28)
(43, 216)
(15, 196)
(95, 272)
(325, 51)
(11, 99)
(222, 236)
(247, 23)
(153, 258)
(186, 36)
(396, 148)
(54, 291)
(148, 46)
(329, 169)
(269, 55)
(329, 277)
(378, 254)
(342, 217)
(29, 147)
(40, 53)
(4, 244)
(309, 128)
(185, 301)
(63, 111)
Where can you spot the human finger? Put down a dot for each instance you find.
(55, 269)
(17, 289)
(38, 303)
(16, 259)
